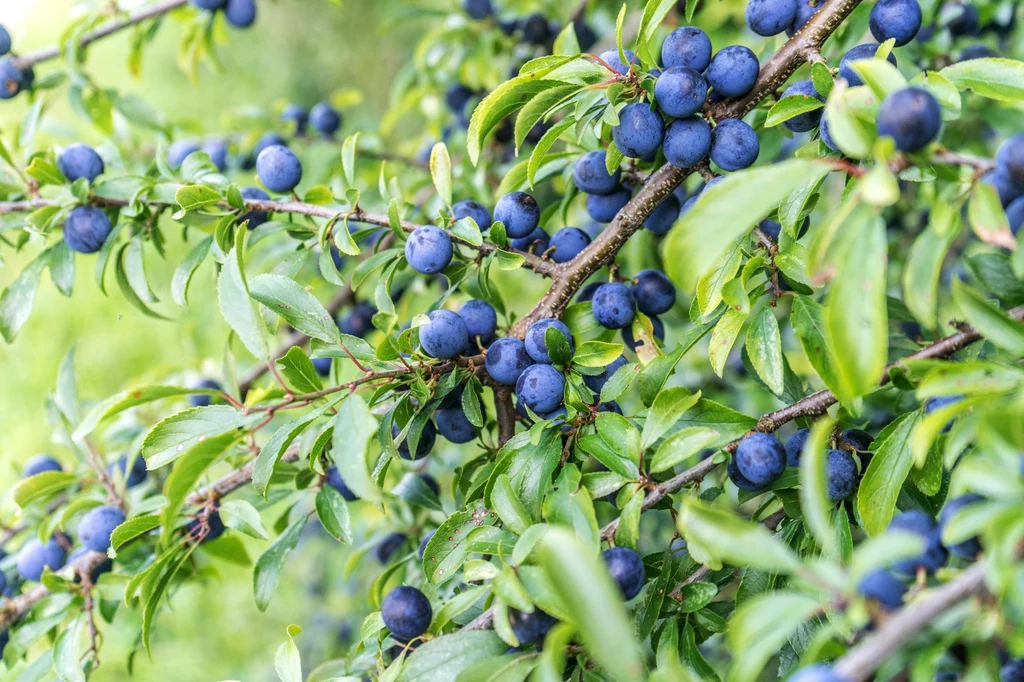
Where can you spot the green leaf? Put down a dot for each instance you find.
(882, 77)
(991, 322)
(668, 407)
(790, 106)
(808, 320)
(67, 654)
(298, 371)
(987, 217)
(1000, 79)
(184, 272)
(654, 375)
(888, 469)
(681, 446)
(287, 661)
(186, 473)
(503, 100)
(627, 533)
(923, 267)
(569, 504)
(125, 400)
(243, 517)
(855, 313)
(852, 134)
(332, 510)
(509, 507)
(132, 286)
(814, 502)
(272, 451)
(62, 267)
(348, 453)
(45, 172)
(539, 154)
(131, 529)
(764, 346)
(762, 625)
(41, 485)
(529, 467)
(723, 337)
(596, 353)
(348, 159)
(194, 197)
(710, 286)
(593, 602)
(715, 535)
(235, 303)
(821, 77)
(441, 172)
(448, 549)
(296, 305)
(729, 423)
(729, 210)
(267, 573)
(445, 657)
(176, 435)
(18, 298)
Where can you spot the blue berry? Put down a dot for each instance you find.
(506, 359)
(201, 399)
(179, 151)
(910, 116)
(803, 123)
(971, 547)
(934, 555)
(587, 292)
(535, 342)
(444, 336)
(687, 141)
(471, 209)
(86, 229)
(898, 19)
(536, 30)
(322, 366)
(541, 387)
(656, 324)
(597, 381)
(424, 542)
(567, 243)
(817, 673)
(519, 213)
(406, 612)
(610, 406)
(37, 464)
(805, 9)
(537, 242)
(739, 480)
(680, 92)
(1000, 180)
(734, 145)
(217, 150)
(34, 556)
(359, 320)
(592, 177)
(428, 436)
(761, 458)
(297, 116)
(11, 80)
(825, 137)
(240, 13)
(324, 119)
(664, 215)
(857, 439)
(478, 9)
(530, 628)
(604, 207)
(388, 546)
(864, 51)
(453, 424)
(481, 321)
(627, 569)
(965, 22)
(770, 17)
(613, 305)
(640, 131)
(883, 587)
(1010, 160)
(611, 57)
(97, 525)
(134, 477)
(5, 47)
(335, 480)
(733, 71)
(841, 473)
(795, 446)
(210, 5)
(80, 161)
(255, 218)
(428, 250)
(279, 169)
(268, 140)
(976, 52)
(653, 291)
(431, 483)
(939, 402)
(687, 46)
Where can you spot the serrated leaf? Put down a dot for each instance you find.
(235, 303)
(764, 346)
(296, 305)
(441, 172)
(267, 573)
(332, 510)
(995, 78)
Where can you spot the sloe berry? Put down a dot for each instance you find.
(687, 141)
(506, 359)
(567, 243)
(761, 458)
(592, 177)
(912, 117)
(680, 92)
(613, 305)
(519, 213)
(640, 131)
(733, 71)
(686, 46)
(627, 569)
(80, 161)
(734, 145)
(444, 336)
(428, 250)
(536, 344)
(541, 387)
(86, 229)
(604, 207)
(406, 612)
(653, 291)
(97, 525)
(279, 169)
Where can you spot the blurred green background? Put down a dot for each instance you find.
(299, 50)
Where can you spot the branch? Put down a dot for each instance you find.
(859, 663)
(54, 51)
(538, 265)
(506, 414)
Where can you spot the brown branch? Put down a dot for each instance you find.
(859, 663)
(112, 27)
(506, 414)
